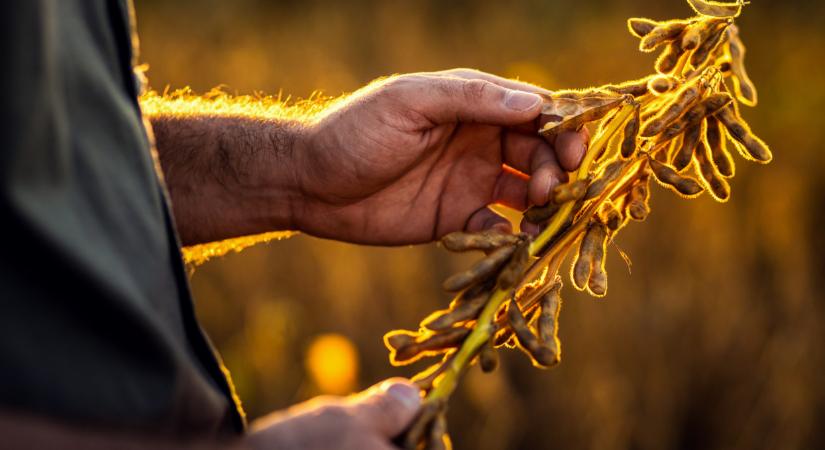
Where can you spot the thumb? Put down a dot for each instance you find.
(448, 99)
(388, 407)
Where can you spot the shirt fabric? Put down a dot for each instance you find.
(97, 325)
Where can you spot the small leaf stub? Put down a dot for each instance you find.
(717, 9)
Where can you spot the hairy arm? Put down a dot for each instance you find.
(212, 150)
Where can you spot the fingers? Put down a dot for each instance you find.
(470, 74)
(533, 155)
(511, 190)
(570, 148)
(452, 99)
(389, 407)
(487, 219)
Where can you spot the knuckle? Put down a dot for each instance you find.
(476, 89)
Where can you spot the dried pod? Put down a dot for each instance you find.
(669, 58)
(690, 140)
(515, 267)
(564, 112)
(425, 345)
(426, 378)
(611, 216)
(480, 270)
(459, 312)
(593, 240)
(488, 357)
(548, 320)
(637, 206)
(684, 99)
(421, 424)
(541, 355)
(717, 9)
(714, 137)
(752, 147)
(664, 32)
(640, 26)
(635, 88)
(610, 173)
(694, 118)
(660, 84)
(706, 47)
(569, 192)
(699, 32)
(539, 214)
(438, 439)
(630, 134)
(742, 84)
(460, 241)
(717, 186)
(667, 176)
(597, 282)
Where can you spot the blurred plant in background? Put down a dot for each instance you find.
(706, 346)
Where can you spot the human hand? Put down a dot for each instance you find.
(365, 421)
(413, 157)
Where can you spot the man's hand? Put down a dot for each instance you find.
(405, 160)
(414, 157)
(366, 421)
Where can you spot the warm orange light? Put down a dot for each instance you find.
(332, 363)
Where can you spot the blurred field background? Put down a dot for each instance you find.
(714, 342)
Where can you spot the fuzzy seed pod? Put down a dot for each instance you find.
(664, 32)
(511, 273)
(706, 47)
(695, 115)
(548, 320)
(610, 173)
(423, 345)
(637, 205)
(421, 424)
(459, 312)
(630, 134)
(593, 240)
(460, 241)
(426, 378)
(752, 147)
(635, 88)
(660, 84)
(690, 140)
(669, 58)
(685, 98)
(570, 110)
(742, 84)
(714, 137)
(667, 176)
(597, 282)
(480, 270)
(641, 27)
(540, 214)
(611, 216)
(717, 186)
(541, 355)
(699, 32)
(717, 9)
(569, 192)
(488, 357)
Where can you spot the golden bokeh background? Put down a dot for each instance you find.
(715, 341)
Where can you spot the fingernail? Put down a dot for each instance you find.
(407, 395)
(520, 101)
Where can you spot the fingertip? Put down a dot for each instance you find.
(522, 101)
(529, 227)
(404, 391)
(570, 148)
(487, 219)
(542, 182)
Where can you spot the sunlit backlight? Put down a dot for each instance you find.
(332, 363)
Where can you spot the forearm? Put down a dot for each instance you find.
(228, 173)
(20, 431)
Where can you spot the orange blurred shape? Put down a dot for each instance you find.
(332, 363)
